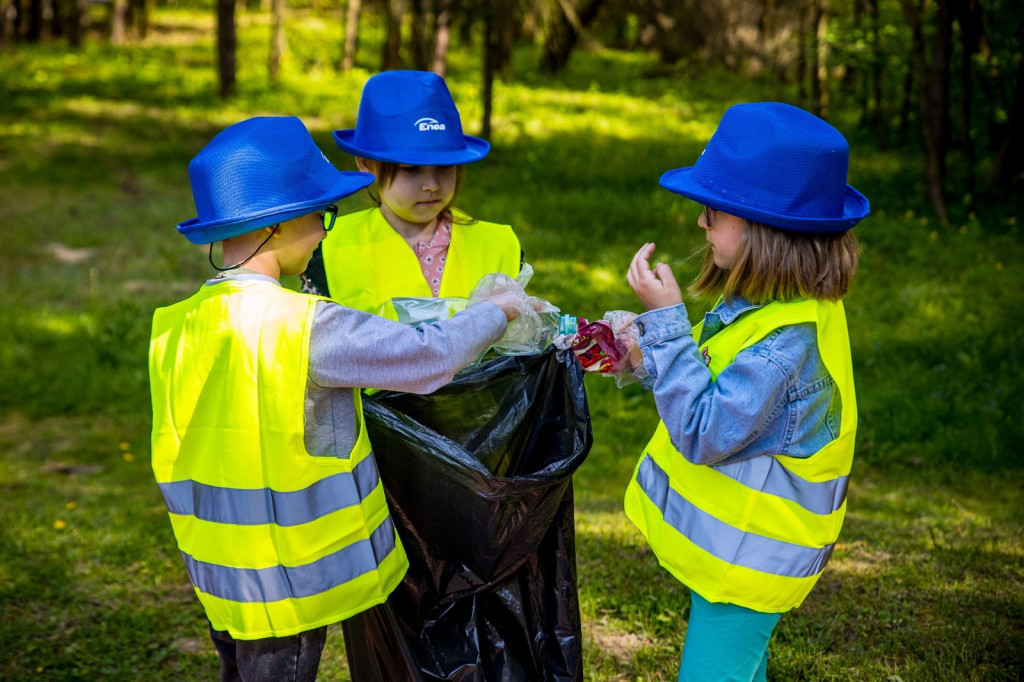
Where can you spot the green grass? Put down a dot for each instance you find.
(927, 581)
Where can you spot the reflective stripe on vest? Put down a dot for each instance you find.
(722, 540)
(254, 507)
(758, 532)
(367, 263)
(275, 583)
(276, 540)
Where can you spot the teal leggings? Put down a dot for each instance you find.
(725, 642)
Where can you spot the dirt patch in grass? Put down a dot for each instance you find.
(858, 557)
(619, 646)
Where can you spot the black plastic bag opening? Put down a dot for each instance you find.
(478, 476)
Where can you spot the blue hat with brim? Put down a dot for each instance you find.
(260, 172)
(774, 164)
(409, 117)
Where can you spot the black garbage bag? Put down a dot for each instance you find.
(478, 476)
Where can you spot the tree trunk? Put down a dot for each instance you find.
(442, 37)
(35, 21)
(1009, 163)
(819, 67)
(803, 63)
(935, 110)
(277, 38)
(766, 28)
(972, 38)
(78, 22)
(352, 14)
(913, 12)
(877, 74)
(497, 44)
(143, 12)
(226, 47)
(487, 91)
(8, 17)
(391, 56)
(419, 42)
(119, 22)
(564, 32)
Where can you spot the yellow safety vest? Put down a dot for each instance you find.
(275, 539)
(367, 263)
(756, 533)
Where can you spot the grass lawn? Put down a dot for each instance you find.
(927, 582)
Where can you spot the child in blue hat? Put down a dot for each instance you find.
(741, 492)
(259, 446)
(409, 135)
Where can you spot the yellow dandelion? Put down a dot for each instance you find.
(999, 265)
(924, 221)
(124, 445)
(934, 234)
(128, 457)
(963, 229)
(60, 524)
(909, 215)
(71, 506)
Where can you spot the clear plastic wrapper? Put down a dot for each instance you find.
(537, 324)
(631, 364)
(415, 311)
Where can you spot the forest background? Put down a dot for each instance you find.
(586, 103)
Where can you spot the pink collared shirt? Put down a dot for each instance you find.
(433, 253)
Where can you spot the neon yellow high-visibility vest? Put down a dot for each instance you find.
(276, 540)
(756, 533)
(367, 263)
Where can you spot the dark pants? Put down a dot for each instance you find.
(273, 659)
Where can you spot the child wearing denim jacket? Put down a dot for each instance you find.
(741, 492)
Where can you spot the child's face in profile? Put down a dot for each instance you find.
(417, 194)
(300, 237)
(724, 233)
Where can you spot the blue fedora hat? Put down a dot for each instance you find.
(259, 172)
(410, 117)
(774, 164)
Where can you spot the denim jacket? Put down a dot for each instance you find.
(775, 398)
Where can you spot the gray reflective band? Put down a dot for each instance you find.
(282, 582)
(718, 538)
(260, 506)
(767, 475)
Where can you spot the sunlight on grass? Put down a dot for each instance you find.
(540, 115)
(66, 324)
(926, 581)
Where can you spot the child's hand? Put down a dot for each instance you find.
(655, 288)
(504, 292)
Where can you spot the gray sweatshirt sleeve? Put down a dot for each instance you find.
(350, 348)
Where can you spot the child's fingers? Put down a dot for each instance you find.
(668, 281)
(663, 272)
(640, 267)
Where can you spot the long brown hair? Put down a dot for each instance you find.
(772, 264)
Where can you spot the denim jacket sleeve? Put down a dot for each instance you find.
(772, 399)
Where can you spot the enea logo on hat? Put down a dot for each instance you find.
(427, 123)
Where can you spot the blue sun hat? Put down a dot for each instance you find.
(410, 117)
(774, 164)
(260, 172)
